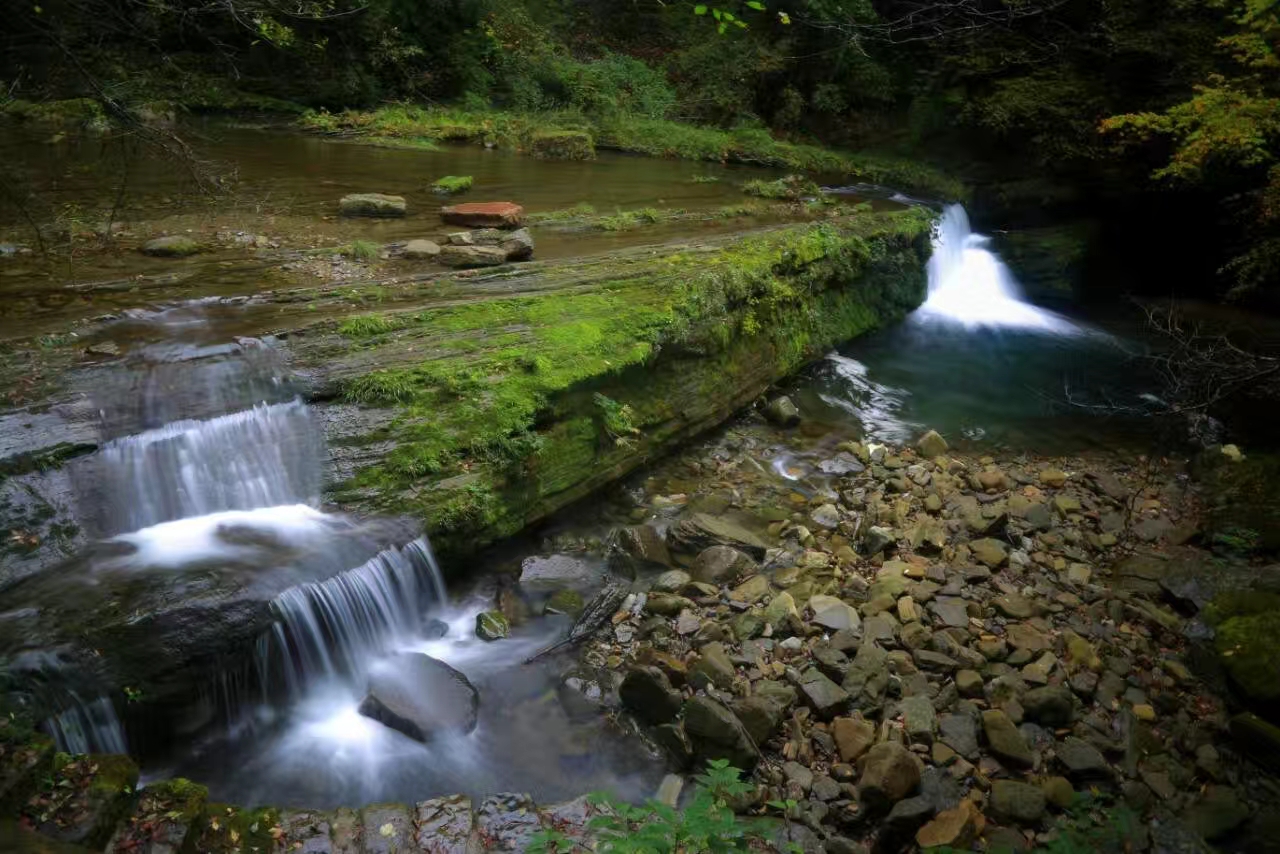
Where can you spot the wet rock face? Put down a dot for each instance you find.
(421, 697)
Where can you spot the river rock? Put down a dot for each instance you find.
(492, 625)
(372, 204)
(420, 250)
(518, 245)
(444, 824)
(171, 246)
(702, 531)
(760, 715)
(1017, 802)
(484, 215)
(647, 693)
(853, 736)
(991, 552)
(1004, 739)
(714, 666)
(889, 774)
(1051, 706)
(472, 256)
(639, 548)
(539, 574)
(826, 698)
(931, 445)
(833, 613)
(782, 411)
(960, 732)
(421, 697)
(954, 829)
(716, 733)
(1081, 758)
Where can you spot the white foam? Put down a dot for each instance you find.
(970, 286)
(230, 535)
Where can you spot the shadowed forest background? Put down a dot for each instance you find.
(1130, 142)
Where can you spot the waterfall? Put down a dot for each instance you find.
(334, 628)
(261, 457)
(86, 727)
(969, 285)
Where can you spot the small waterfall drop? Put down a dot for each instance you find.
(269, 455)
(970, 286)
(335, 628)
(87, 727)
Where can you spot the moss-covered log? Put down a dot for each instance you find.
(483, 415)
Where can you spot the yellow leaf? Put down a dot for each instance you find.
(235, 837)
(387, 830)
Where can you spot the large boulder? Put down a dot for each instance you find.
(637, 549)
(553, 572)
(484, 215)
(717, 733)
(372, 204)
(421, 697)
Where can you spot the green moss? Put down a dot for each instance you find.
(1246, 646)
(236, 830)
(562, 145)
(628, 220)
(651, 136)
(578, 211)
(367, 326)
(453, 184)
(512, 422)
(793, 188)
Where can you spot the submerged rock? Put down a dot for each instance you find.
(372, 204)
(421, 697)
(421, 250)
(172, 246)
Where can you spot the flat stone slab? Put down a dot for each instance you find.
(372, 204)
(484, 214)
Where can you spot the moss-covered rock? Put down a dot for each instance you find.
(83, 799)
(563, 145)
(1247, 649)
(227, 829)
(168, 816)
(501, 410)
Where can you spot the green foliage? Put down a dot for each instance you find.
(707, 824)
(616, 419)
(453, 184)
(792, 188)
(1094, 823)
(628, 220)
(361, 250)
(367, 326)
(578, 211)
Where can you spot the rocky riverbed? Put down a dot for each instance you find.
(931, 647)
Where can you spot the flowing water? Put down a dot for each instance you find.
(979, 363)
(208, 479)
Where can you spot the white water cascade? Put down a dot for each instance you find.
(266, 456)
(970, 286)
(337, 627)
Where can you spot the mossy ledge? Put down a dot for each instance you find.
(481, 417)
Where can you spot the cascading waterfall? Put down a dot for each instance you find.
(266, 456)
(87, 726)
(969, 285)
(334, 628)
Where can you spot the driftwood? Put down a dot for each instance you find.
(598, 612)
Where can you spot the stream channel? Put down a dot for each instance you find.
(208, 455)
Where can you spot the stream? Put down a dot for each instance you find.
(224, 464)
